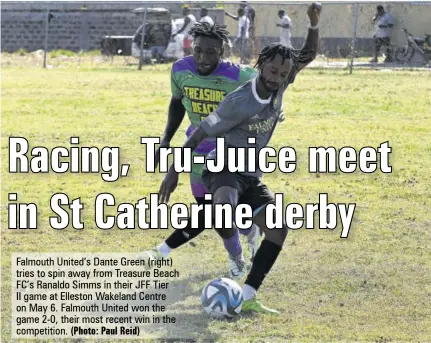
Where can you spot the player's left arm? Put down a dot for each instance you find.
(309, 51)
(170, 182)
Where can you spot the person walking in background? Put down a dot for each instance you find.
(384, 24)
(285, 28)
(242, 37)
(250, 13)
(205, 18)
(189, 20)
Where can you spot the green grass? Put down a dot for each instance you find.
(372, 287)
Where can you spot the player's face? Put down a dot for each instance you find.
(207, 53)
(275, 72)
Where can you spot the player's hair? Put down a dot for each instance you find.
(270, 51)
(204, 29)
(281, 12)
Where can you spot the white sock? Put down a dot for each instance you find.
(164, 249)
(248, 292)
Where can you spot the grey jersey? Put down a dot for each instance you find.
(242, 115)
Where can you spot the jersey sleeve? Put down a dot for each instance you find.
(226, 117)
(175, 88)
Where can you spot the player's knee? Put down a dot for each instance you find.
(226, 195)
(226, 233)
(277, 236)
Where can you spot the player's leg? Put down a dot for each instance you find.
(226, 189)
(199, 190)
(178, 237)
(181, 237)
(258, 197)
(230, 237)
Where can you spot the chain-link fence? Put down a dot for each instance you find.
(348, 30)
(55, 34)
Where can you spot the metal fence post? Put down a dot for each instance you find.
(141, 53)
(355, 26)
(46, 37)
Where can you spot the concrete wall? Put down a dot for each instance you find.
(23, 23)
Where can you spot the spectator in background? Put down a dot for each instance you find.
(285, 28)
(155, 39)
(384, 24)
(251, 15)
(205, 17)
(243, 36)
(189, 21)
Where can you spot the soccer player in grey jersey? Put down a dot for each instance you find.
(256, 106)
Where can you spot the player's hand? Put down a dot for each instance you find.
(314, 13)
(157, 153)
(169, 184)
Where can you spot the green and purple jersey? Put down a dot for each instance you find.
(201, 95)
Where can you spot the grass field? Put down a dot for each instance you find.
(374, 286)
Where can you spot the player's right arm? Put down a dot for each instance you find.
(309, 51)
(176, 113)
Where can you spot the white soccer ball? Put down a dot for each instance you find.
(222, 298)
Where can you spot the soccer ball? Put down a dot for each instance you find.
(222, 298)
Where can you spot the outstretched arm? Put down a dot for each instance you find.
(234, 17)
(309, 50)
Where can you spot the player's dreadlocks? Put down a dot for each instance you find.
(204, 29)
(270, 51)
